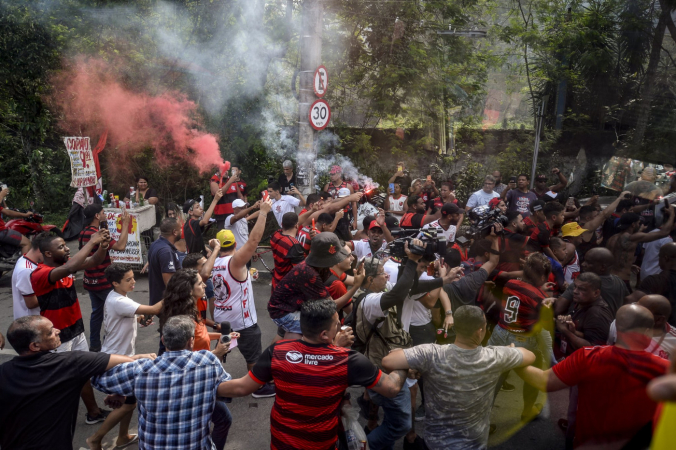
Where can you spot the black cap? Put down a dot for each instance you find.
(392, 223)
(449, 208)
(536, 206)
(91, 211)
(187, 205)
(541, 178)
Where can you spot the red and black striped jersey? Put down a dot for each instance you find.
(94, 278)
(224, 206)
(520, 306)
(280, 245)
(304, 239)
(310, 382)
(333, 190)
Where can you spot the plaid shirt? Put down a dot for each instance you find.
(176, 394)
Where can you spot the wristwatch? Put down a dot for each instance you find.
(449, 312)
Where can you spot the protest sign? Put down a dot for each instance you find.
(132, 253)
(82, 166)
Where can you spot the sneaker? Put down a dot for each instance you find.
(266, 391)
(420, 413)
(91, 420)
(506, 387)
(417, 444)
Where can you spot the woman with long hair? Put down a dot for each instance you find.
(183, 291)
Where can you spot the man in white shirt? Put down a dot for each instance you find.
(238, 221)
(395, 202)
(234, 292)
(282, 204)
(483, 196)
(450, 214)
(25, 303)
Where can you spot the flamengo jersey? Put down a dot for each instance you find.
(333, 190)
(304, 238)
(397, 204)
(363, 250)
(234, 299)
(448, 234)
(520, 306)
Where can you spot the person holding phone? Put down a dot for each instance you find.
(401, 176)
(395, 202)
(287, 180)
(233, 187)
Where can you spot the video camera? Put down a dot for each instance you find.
(433, 237)
(483, 219)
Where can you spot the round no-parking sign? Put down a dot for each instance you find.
(320, 114)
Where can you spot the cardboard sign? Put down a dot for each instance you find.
(132, 253)
(82, 166)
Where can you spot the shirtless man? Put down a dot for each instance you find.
(623, 245)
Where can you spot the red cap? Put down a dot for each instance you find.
(374, 224)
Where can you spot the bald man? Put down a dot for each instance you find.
(664, 283)
(663, 335)
(612, 405)
(613, 290)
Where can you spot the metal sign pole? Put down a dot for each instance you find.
(538, 131)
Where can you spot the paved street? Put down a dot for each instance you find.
(250, 429)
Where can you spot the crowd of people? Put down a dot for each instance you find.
(432, 296)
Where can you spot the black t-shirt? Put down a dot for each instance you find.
(664, 283)
(192, 232)
(286, 184)
(593, 321)
(40, 395)
(162, 258)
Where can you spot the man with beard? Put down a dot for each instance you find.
(419, 217)
(623, 245)
(499, 186)
(450, 214)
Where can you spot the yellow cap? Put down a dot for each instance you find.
(226, 238)
(572, 229)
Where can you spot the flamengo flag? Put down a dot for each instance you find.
(82, 166)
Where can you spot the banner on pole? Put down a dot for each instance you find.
(132, 253)
(82, 166)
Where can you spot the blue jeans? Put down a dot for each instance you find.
(222, 420)
(98, 299)
(289, 322)
(396, 422)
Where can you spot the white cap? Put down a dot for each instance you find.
(238, 203)
(343, 192)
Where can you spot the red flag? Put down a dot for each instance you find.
(98, 149)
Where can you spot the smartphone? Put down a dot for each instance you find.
(429, 177)
(265, 195)
(391, 188)
(400, 168)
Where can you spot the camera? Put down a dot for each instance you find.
(482, 220)
(433, 237)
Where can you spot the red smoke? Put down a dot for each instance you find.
(92, 100)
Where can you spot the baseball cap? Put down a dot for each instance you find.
(572, 229)
(626, 220)
(325, 251)
(449, 208)
(541, 178)
(226, 238)
(335, 169)
(187, 205)
(343, 192)
(536, 205)
(392, 223)
(374, 224)
(238, 203)
(91, 211)
(493, 203)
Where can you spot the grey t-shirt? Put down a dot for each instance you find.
(465, 290)
(459, 387)
(613, 291)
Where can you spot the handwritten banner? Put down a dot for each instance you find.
(82, 167)
(132, 253)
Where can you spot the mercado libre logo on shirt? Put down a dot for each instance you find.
(294, 357)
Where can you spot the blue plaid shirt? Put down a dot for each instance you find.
(176, 394)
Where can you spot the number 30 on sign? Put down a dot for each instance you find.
(320, 114)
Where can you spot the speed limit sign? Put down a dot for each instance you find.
(320, 114)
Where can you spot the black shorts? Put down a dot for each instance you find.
(249, 344)
(424, 334)
(10, 237)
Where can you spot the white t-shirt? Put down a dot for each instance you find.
(651, 257)
(419, 315)
(448, 234)
(119, 321)
(240, 229)
(397, 204)
(481, 198)
(234, 299)
(21, 285)
(363, 249)
(284, 205)
(572, 269)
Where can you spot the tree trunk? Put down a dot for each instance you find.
(671, 26)
(648, 91)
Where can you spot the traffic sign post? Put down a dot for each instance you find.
(319, 114)
(321, 81)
